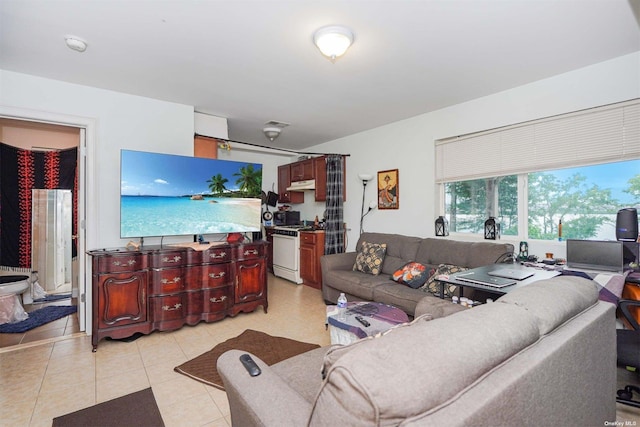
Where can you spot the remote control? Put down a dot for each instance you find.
(364, 322)
(250, 365)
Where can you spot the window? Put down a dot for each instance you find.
(586, 199)
(470, 203)
(532, 175)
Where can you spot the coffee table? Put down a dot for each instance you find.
(538, 274)
(381, 317)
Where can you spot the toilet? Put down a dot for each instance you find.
(13, 284)
(11, 287)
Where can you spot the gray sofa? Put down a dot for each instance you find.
(541, 355)
(338, 275)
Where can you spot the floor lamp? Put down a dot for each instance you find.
(364, 178)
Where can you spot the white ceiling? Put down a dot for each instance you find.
(254, 61)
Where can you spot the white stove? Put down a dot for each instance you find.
(286, 252)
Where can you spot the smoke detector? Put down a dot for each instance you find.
(75, 43)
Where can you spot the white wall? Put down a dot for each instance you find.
(409, 145)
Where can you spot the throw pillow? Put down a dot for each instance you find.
(370, 258)
(412, 274)
(432, 285)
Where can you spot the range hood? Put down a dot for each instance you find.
(309, 184)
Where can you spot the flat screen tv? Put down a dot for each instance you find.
(170, 195)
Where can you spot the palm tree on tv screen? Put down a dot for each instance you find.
(216, 184)
(249, 181)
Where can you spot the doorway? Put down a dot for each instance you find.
(66, 286)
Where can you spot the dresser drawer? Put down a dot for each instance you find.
(250, 251)
(215, 254)
(166, 259)
(168, 307)
(121, 262)
(217, 300)
(167, 281)
(217, 275)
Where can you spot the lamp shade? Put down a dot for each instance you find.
(442, 226)
(491, 229)
(333, 41)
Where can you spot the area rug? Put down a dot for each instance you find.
(38, 318)
(136, 409)
(53, 297)
(269, 349)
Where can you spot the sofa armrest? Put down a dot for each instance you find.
(260, 400)
(342, 261)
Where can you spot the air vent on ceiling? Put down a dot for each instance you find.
(275, 123)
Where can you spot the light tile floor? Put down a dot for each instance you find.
(38, 383)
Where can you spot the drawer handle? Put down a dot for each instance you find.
(220, 255)
(214, 299)
(129, 262)
(174, 280)
(217, 276)
(251, 252)
(175, 259)
(171, 308)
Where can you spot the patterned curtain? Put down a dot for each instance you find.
(334, 227)
(20, 172)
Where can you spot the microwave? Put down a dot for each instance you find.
(286, 218)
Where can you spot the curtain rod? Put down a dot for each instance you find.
(270, 148)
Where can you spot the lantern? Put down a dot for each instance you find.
(491, 229)
(442, 226)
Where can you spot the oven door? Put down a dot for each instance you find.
(286, 252)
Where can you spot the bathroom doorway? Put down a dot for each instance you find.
(64, 285)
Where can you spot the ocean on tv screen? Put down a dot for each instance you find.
(143, 216)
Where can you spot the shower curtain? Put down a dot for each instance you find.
(334, 228)
(20, 172)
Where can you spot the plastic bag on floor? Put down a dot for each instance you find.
(38, 291)
(11, 311)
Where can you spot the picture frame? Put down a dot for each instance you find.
(388, 189)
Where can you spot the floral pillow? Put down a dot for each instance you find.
(413, 274)
(370, 258)
(432, 285)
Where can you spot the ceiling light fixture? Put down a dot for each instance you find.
(271, 132)
(75, 43)
(333, 41)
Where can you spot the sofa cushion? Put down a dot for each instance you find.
(400, 249)
(432, 285)
(403, 297)
(370, 258)
(382, 382)
(355, 283)
(554, 301)
(412, 274)
(466, 254)
(296, 373)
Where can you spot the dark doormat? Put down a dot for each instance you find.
(38, 318)
(269, 349)
(136, 409)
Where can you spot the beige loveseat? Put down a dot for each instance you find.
(338, 275)
(542, 355)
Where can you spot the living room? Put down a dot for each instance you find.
(117, 120)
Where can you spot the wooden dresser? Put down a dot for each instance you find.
(163, 288)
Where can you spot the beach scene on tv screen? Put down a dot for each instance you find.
(169, 195)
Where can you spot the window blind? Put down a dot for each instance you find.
(599, 135)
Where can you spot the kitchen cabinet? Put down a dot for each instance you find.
(311, 249)
(284, 181)
(160, 288)
(302, 170)
(314, 168)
